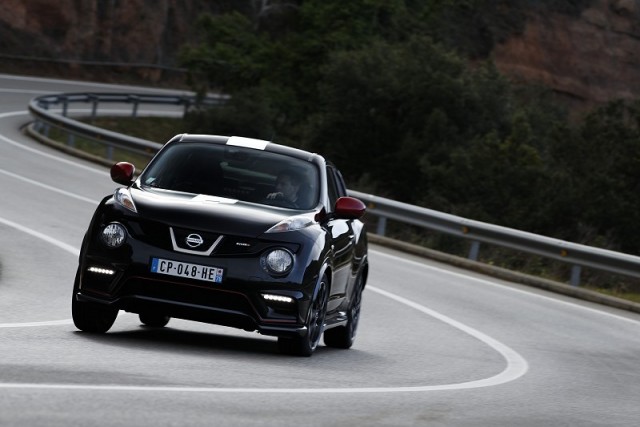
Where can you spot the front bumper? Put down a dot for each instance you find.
(197, 312)
(237, 302)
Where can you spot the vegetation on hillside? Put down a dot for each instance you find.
(399, 94)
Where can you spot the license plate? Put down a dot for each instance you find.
(187, 270)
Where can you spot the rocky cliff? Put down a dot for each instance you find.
(589, 58)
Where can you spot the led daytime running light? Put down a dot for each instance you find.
(99, 270)
(277, 298)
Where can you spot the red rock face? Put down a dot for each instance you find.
(591, 59)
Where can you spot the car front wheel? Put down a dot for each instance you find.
(92, 317)
(307, 344)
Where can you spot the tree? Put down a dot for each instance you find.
(379, 87)
(598, 167)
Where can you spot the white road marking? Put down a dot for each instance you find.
(53, 157)
(48, 187)
(92, 85)
(36, 324)
(23, 91)
(62, 159)
(14, 113)
(520, 291)
(51, 240)
(516, 367)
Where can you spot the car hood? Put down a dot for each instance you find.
(208, 213)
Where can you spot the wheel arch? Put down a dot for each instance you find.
(326, 271)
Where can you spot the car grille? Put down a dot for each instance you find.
(152, 233)
(159, 235)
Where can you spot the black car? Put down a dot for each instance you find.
(232, 231)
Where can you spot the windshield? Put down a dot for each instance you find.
(236, 173)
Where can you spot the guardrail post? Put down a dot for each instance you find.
(94, 107)
(576, 270)
(109, 152)
(187, 104)
(474, 250)
(71, 140)
(39, 124)
(42, 126)
(65, 106)
(382, 225)
(136, 101)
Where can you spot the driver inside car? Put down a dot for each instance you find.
(287, 188)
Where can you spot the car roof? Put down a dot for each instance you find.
(256, 144)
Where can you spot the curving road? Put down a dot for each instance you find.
(437, 346)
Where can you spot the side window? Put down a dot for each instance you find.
(332, 187)
(341, 186)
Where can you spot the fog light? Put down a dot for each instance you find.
(114, 235)
(100, 270)
(277, 298)
(278, 261)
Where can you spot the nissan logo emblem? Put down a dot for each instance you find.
(194, 240)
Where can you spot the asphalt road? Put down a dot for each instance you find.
(437, 346)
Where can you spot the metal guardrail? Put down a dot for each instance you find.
(578, 256)
(477, 232)
(40, 109)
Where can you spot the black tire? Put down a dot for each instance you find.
(154, 320)
(92, 317)
(344, 336)
(307, 344)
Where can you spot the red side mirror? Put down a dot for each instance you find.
(122, 173)
(349, 208)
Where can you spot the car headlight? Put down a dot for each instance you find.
(123, 197)
(291, 224)
(277, 261)
(114, 235)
